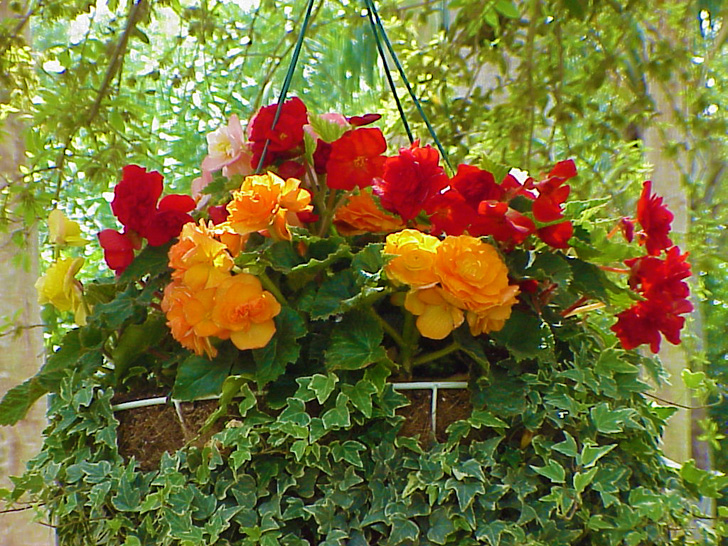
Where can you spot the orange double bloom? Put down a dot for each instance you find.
(451, 279)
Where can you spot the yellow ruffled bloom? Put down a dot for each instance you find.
(436, 316)
(415, 253)
(494, 318)
(472, 271)
(59, 287)
(62, 231)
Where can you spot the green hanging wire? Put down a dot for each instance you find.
(373, 10)
(287, 80)
(388, 73)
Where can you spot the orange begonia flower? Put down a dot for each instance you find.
(473, 272)
(436, 316)
(262, 203)
(246, 310)
(198, 259)
(494, 318)
(415, 257)
(188, 317)
(362, 215)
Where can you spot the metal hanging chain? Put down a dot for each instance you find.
(287, 80)
(388, 73)
(371, 8)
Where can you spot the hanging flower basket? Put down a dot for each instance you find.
(310, 288)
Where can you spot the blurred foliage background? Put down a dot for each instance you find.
(519, 82)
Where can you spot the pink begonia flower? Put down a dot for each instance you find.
(224, 146)
(199, 184)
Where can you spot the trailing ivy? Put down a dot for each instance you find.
(562, 454)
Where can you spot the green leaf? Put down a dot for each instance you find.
(361, 395)
(613, 361)
(115, 313)
(465, 491)
(199, 376)
(328, 131)
(589, 279)
(378, 375)
(134, 342)
(337, 417)
(441, 526)
(152, 260)
(128, 498)
(18, 400)
(583, 479)
(507, 8)
(481, 418)
(591, 453)
(576, 8)
(609, 421)
(403, 530)
(323, 386)
(537, 344)
(553, 471)
(368, 263)
(333, 291)
(567, 447)
(355, 343)
(283, 349)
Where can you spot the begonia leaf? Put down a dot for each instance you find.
(356, 342)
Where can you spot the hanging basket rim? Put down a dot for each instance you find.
(162, 400)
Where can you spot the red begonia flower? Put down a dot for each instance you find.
(626, 225)
(168, 219)
(118, 249)
(449, 213)
(135, 197)
(366, 119)
(661, 279)
(646, 320)
(476, 185)
(356, 159)
(552, 193)
(218, 213)
(503, 223)
(290, 169)
(557, 235)
(410, 179)
(655, 219)
(287, 133)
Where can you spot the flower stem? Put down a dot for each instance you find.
(391, 331)
(410, 335)
(269, 285)
(429, 357)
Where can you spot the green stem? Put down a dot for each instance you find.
(410, 336)
(272, 287)
(429, 357)
(391, 331)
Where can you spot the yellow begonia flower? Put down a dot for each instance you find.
(62, 231)
(436, 316)
(60, 288)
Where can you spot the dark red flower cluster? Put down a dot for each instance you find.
(472, 201)
(655, 219)
(409, 180)
(135, 206)
(661, 282)
(286, 137)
